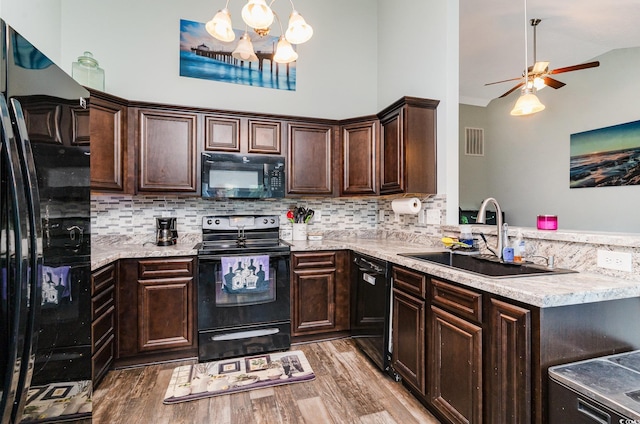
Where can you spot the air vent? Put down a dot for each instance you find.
(474, 141)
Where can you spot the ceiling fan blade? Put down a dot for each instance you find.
(507, 80)
(553, 83)
(512, 90)
(539, 67)
(575, 67)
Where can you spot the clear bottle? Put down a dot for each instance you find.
(518, 248)
(87, 72)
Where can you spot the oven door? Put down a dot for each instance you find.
(239, 290)
(243, 305)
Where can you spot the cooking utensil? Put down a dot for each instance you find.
(308, 215)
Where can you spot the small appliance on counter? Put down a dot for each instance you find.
(166, 232)
(600, 390)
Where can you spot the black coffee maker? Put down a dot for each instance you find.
(166, 233)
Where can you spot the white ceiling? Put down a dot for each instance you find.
(571, 32)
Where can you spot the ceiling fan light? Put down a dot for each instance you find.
(298, 31)
(220, 26)
(538, 83)
(527, 104)
(257, 14)
(244, 50)
(284, 52)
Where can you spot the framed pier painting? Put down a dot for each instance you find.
(607, 156)
(202, 56)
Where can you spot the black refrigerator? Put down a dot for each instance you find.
(45, 240)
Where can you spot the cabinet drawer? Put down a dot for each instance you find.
(313, 260)
(164, 268)
(102, 359)
(103, 278)
(410, 281)
(102, 302)
(102, 329)
(466, 303)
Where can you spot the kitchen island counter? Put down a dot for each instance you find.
(542, 291)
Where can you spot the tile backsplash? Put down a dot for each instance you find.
(129, 215)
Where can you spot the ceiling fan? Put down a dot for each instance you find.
(538, 74)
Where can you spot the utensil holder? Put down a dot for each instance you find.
(299, 231)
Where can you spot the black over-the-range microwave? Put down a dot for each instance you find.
(230, 175)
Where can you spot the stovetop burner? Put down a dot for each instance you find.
(241, 234)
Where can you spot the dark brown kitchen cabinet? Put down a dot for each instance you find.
(56, 121)
(510, 363)
(319, 292)
(156, 309)
(408, 324)
(310, 159)
(454, 352)
(168, 151)
(103, 317)
(110, 162)
(408, 146)
(240, 134)
(360, 153)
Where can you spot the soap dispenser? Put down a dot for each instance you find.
(507, 252)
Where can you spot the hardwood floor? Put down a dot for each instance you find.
(347, 389)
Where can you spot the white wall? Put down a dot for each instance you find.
(474, 170)
(365, 54)
(418, 56)
(38, 21)
(528, 157)
(137, 43)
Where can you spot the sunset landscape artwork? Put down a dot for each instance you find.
(607, 156)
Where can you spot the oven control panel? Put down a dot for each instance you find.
(236, 222)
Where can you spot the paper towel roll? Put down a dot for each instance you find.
(410, 205)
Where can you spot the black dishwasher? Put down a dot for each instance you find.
(370, 308)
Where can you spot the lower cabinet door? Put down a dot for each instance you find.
(164, 314)
(510, 363)
(408, 334)
(455, 367)
(314, 294)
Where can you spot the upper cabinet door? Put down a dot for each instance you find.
(221, 133)
(264, 136)
(392, 149)
(359, 158)
(310, 159)
(168, 151)
(108, 126)
(408, 147)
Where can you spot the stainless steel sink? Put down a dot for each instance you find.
(486, 265)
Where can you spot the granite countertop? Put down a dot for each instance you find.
(540, 290)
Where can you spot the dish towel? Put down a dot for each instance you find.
(56, 284)
(245, 273)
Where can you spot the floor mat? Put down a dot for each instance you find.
(191, 382)
(58, 402)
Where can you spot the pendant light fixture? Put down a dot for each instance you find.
(257, 14)
(528, 102)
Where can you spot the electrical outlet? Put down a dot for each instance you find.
(381, 215)
(620, 261)
(317, 216)
(422, 217)
(433, 216)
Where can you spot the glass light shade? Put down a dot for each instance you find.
(244, 49)
(257, 14)
(284, 52)
(537, 83)
(527, 104)
(220, 26)
(298, 30)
